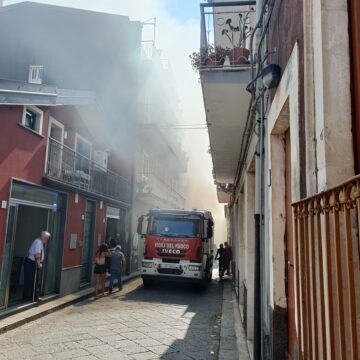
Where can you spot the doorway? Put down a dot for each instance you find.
(30, 222)
(115, 225)
(354, 17)
(26, 220)
(88, 242)
(24, 226)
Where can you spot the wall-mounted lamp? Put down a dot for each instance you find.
(226, 188)
(271, 75)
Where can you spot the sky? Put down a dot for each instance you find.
(177, 35)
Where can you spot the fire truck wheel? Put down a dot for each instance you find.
(204, 285)
(148, 283)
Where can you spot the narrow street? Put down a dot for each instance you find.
(165, 322)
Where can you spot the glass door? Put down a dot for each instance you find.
(51, 254)
(7, 256)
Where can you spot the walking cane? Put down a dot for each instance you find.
(34, 286)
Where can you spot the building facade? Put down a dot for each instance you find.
(71, 161)
(291, 196)
(54, 179)
(161, 163)
(109, 160)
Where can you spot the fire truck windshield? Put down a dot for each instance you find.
(175, 227)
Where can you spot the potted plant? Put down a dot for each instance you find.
(208, 56)
(237, 36)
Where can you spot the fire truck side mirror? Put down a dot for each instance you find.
(142, 225)
(208, 229)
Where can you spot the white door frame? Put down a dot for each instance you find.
(53, 121)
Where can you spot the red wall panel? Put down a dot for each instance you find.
(74, 225)
(22, 155)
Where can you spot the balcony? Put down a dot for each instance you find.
(151, 185)
(76, 172)
(225, 71)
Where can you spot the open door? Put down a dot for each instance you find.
(354, 19)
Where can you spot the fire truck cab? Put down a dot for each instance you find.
(178, 246)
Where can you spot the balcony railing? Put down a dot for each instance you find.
(225, 34)
(151, 184)
(75, 170)
(326, 229)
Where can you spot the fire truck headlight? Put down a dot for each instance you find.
(194, 268)
(146, 264)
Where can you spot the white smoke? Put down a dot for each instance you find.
(177, 40)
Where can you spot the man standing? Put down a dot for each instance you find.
(32, 266)
(228, 258)
(118, 265)
(220, 255)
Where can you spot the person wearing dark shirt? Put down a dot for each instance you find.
(111, 246)
(228, 258)
(220, 255)
(118, 264)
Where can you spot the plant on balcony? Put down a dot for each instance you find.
(237, 36)
(208, 56)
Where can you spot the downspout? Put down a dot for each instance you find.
(257, 284)
(257, 350)
(259, 236)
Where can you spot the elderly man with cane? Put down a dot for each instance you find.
(32, 267)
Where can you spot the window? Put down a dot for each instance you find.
(175, 227)
(32, 118)
(36, 74)
(83, 154)
(145, 164)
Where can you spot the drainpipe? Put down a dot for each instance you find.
(257, 284)
(259, 279)
(259, 203)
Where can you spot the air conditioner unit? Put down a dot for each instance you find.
(101, 160)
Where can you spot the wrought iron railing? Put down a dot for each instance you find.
(225, 34)
(73, 169)
(327, 252)
(153, 184)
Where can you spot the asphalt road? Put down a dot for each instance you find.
(168, 321)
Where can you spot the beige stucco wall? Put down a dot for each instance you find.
(332, 98)
(329, 140)
(283, 113)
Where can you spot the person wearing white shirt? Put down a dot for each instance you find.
(32, 266)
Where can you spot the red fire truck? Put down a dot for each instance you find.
(178, 246)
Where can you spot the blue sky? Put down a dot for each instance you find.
(184, 9)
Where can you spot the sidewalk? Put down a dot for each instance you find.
(233, 343)
(36, 311)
